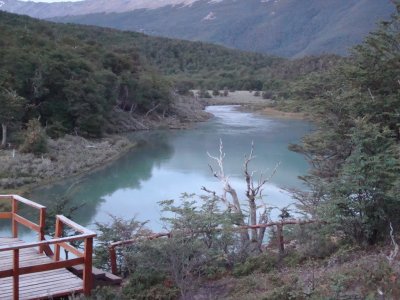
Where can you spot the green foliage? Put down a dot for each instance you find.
(149, 285)
(11, 108)
(204, 93)
(11, 105)
(200, 245)
(264, 263)
(354, 152)
(35, 140)
(117, 230)
(71, 77)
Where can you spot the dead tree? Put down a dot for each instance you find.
(258, 212)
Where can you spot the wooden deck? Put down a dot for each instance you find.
(41, 285)
(33, 270)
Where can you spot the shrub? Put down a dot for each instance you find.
(35, 140)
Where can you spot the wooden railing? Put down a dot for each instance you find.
(279, 226)
(17, 219)
(82, 256)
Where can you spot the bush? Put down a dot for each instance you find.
(264, 263)
(56, 130)
(35, 140)
(204, 94)
(267, 95)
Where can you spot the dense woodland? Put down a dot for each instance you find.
(71, 76)
(68, 78)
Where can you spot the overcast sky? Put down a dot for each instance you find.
(52, 0)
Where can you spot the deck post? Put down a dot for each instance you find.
(14, 210)
(16, 274)
(113, 260)
(57, 234)
(87, 269)
(42, 224)
(281, 242)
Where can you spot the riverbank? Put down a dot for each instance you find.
(254, 102)
(74, 155)
(67, 156)
(273, 112)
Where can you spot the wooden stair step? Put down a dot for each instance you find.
(97, 273)
(113, 279)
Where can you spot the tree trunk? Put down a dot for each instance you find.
(253, 219)
(4, 139)
(279, 231)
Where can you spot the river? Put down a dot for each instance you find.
(167, 163)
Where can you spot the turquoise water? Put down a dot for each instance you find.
(169, 162)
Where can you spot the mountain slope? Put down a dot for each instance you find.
(291, 28)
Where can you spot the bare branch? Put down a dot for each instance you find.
(395, 251)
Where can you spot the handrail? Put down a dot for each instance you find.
(278, 224)
(48, 242)
(23, 200)
(17, 219)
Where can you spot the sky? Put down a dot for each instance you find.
(50, 1)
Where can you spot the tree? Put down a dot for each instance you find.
(11, 111)
(354, 151)
(35, 138)
(258, 212)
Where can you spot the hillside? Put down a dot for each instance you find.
(290, 28)
(73, 77)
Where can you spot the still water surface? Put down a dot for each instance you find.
(169, 162)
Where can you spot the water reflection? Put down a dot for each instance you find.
(167, 163)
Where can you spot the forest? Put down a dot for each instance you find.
(71, 76)
(67, 79)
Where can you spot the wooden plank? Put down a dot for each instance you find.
(27, 202)
(27, 223)
(46, 292)
(113, 279)
(43, 285)
(46, 285)
(49, 242)
(26, 263)
(71, 249)
(14, 224)
(35, 280)
(74, 225)
(42, 225)
(5, 215)
(58, 234)
(87, 271)
(52, 266)
(97, 273)
(16, 274)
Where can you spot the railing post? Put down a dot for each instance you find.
(16, 274)
(87, 269)
(113, 260)
(42, 224)
(57, 234)
(14, 210)
(279, 231)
